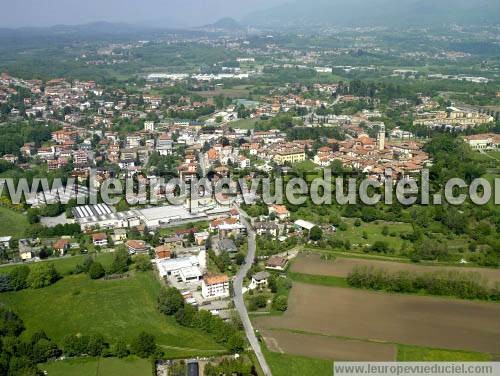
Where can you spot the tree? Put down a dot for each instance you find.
(316, 233)
(380, 247)
(144, 345)
(236, 343)
(170, 301)
(96, 345)
(121, 261)
(272, 284)
(42, 276)
(18, 277)
(5, 283)
(239, 259)
(96, 270)
(44, 350)
(11, 324)
(143, 263)
(121, 349)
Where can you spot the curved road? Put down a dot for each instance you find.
(240, 304)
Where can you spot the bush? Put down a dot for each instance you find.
(143, 263)
(5, 284)
(18, 277)
(380, 247)
(42, 276)
(259, 301)
(121, 349)
(96, 270)
(316, 233)
(280, 303)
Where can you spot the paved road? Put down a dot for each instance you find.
(240, 304)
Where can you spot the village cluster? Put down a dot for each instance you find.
(86, 138)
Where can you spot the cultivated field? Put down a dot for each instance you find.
(416, 320)
(323, 347)
(116, 309)
(341, 266)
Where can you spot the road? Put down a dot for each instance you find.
(239, 302)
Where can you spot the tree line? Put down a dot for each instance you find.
(171, 303)
(463, 285)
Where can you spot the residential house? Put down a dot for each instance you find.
(266, 228)
(61, 246)
(100, 239)
(136, 246)
(119, 235)
(277, 263)
(280, 211)
(259, 280)
(215, 287)
(227, 245)
(163, 252)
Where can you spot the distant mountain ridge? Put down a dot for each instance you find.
(378, 13)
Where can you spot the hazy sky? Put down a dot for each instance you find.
(15, 13)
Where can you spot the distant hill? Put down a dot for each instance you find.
(226, 23)
(377, 13)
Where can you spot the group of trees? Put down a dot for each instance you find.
(22, 277)
(120, 265)
(171, 303)
(16, 135)
(279, 287)
(143, 345)
(19, 357)
(464, 285)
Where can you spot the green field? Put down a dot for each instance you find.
(98, 367)
(13, 223)
(424, 354)
(322, 280)
(65, 265)
(243, 124)
(114, 308)
(292, 365)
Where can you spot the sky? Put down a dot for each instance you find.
(21, 13)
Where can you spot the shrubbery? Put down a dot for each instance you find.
(464, 285)
(171, 302)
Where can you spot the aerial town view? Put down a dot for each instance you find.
(230, 187)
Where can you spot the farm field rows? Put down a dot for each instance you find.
(414, 320)
(324, 347)
(341, 266)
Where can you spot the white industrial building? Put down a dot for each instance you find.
(189, 269)
(105, 217)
